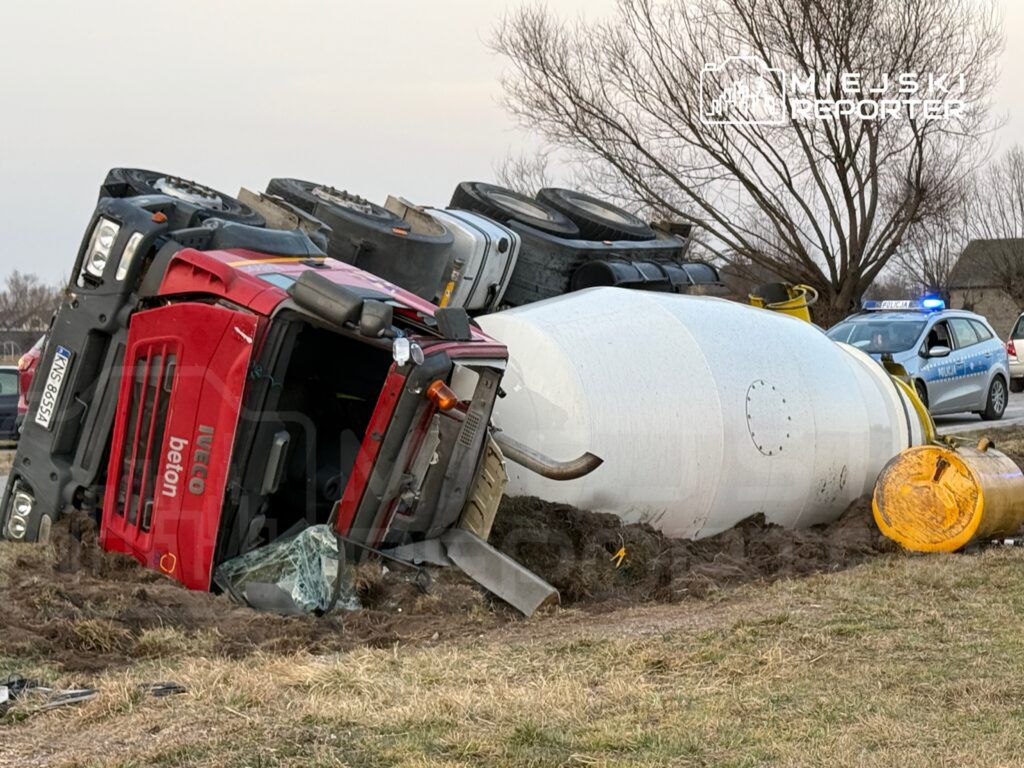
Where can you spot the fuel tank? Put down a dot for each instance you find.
(705, 411)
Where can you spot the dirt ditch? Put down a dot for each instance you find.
(75, 607)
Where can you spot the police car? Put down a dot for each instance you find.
(954, 358)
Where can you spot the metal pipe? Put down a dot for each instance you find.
(535, 461)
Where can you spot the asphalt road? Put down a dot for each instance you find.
(969, 422)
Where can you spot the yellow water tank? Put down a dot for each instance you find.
(935, 498)
(793, 300)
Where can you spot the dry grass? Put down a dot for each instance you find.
(903, 661)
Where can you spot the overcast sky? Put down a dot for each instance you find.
(399, 97)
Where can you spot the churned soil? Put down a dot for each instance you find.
(83, 610)
(576, 552)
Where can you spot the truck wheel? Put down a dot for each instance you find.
(996, 403)
(308, 196)
(373, 238)
(210, 204)
(596, 219)
(504, 205)
(1017, 384)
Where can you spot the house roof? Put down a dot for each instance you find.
(984, 261)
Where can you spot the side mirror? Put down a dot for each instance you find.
(375, 319)
(939, 351)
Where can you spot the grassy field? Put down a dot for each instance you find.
(899, 661)
(909, 661)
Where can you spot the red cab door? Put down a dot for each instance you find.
(183, 380)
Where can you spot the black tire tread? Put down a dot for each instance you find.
(591, 225)
(140, 182)
(472, 196)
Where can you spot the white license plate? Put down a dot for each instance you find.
(51, 389)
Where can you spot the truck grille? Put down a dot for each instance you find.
(152, 375)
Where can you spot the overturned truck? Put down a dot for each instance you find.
(210, 386)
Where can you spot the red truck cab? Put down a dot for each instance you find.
(209, 386)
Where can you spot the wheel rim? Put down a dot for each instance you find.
(610, 214)
(998, 396)
(345, 200)
(524, 207)
(190, 192)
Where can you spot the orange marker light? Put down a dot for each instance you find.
(442, 396)
(159, 218)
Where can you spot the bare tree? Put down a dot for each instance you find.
(926, 258)
(795, 174)
(996, 215)
(27, 303)
(525, 172)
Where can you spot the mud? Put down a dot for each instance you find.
(80, 609)
(576, 552)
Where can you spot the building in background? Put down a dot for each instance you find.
(988, 278)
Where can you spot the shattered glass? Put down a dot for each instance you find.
(293, 575)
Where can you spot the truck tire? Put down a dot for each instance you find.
(309, 196)
(596, 219)
(209, 203)
(504, 205)
(373, 238)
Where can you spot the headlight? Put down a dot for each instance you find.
(103, 236)
(23, 504)
(128, 255)
(21, 508)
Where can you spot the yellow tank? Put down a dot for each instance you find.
(934, 498)
(793, 300)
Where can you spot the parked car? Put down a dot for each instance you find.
(210, 386)
(1016, 341)
(26, 371)
(954, 358)
(8, 402)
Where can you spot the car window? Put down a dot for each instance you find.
(964, 332)
(8, 382)
(1018, 329)
(984, 334)
(878, 336)
(938, 336)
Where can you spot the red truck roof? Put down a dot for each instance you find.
(259, 282)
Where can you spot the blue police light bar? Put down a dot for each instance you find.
(930, 304)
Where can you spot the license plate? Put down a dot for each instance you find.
(51, 389)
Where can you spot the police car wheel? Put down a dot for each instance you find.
(996, 403)
(922, 392)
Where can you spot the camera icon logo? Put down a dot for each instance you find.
(742, 90)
